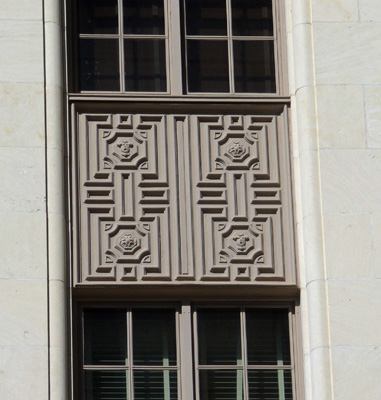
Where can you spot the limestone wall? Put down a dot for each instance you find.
(337, 92)
(23, 244)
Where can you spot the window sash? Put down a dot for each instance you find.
(175, 51)
(187, 349)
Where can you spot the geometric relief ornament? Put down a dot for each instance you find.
(196, 198)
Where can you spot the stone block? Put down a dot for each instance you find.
(343, 52)
(350, 181)
(354, 312)
(348, 245)
(340, 113)
(23, 309)
(373, 115)
(22, 178)
(23, 246)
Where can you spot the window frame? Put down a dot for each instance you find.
(187, 340)
(175, 42)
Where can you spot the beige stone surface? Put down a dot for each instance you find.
(22, 179)
(372, 95)
(22, 114)
(370, 10)
(376, 244)
(24, 372)
(23, 312)
(21, 9)
(347, 53)
(334, 10)
(21, 49)
(356, 372)
(351, 181)
(22, 248)
(341, 120)
(354, 311)
(348, 245)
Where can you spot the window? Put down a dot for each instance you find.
(235, 353)
(178, 46)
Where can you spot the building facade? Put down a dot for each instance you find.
(218, 195)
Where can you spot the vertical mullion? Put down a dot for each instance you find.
(230, 46)
(279, 352)
(244, 354)
(130, 380)
(173, 47)
(121, 45)
(167, 393)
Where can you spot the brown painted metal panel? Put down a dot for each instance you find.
(160, 195)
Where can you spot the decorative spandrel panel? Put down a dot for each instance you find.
(183, 198)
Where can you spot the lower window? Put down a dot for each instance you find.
(164, 353)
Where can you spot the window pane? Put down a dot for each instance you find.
(208, 66)
(252, 18)
(254, 66)
(206, 17)
(268, 337)
(155, 385)
(154, 340)
(105, 337)
(98, 64)
(105, 385)
(143, 17)
(98, 16)
(221, 385)
(219, 338)
(145, 65)
(270, 385)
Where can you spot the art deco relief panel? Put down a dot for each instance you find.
(160, 195)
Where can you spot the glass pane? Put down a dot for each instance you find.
(154, 339)
(143, 17)
(155, 385)
(268, 337)
(270, 385)
(221, 385)
(208, 66)
(145, 66)
(219, 338)
(98, 64)
(206, 17)
(105, 385)
(98, 16)
(254, 66)
(252, 18)
(105, 337)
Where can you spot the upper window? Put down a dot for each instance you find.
(226, 46)
(238, 353)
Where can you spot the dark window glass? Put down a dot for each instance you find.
(270, 385)
(145, 65)
(208, 66)
(219, 337)
(205, 17)
(105, 385)
(252, 18)
(221, 385)
(268, 337)
(98, 16)
(155, 385)
(154, 341)
(105, 337)
(98, 64)
(254, 66)
(143, 17)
